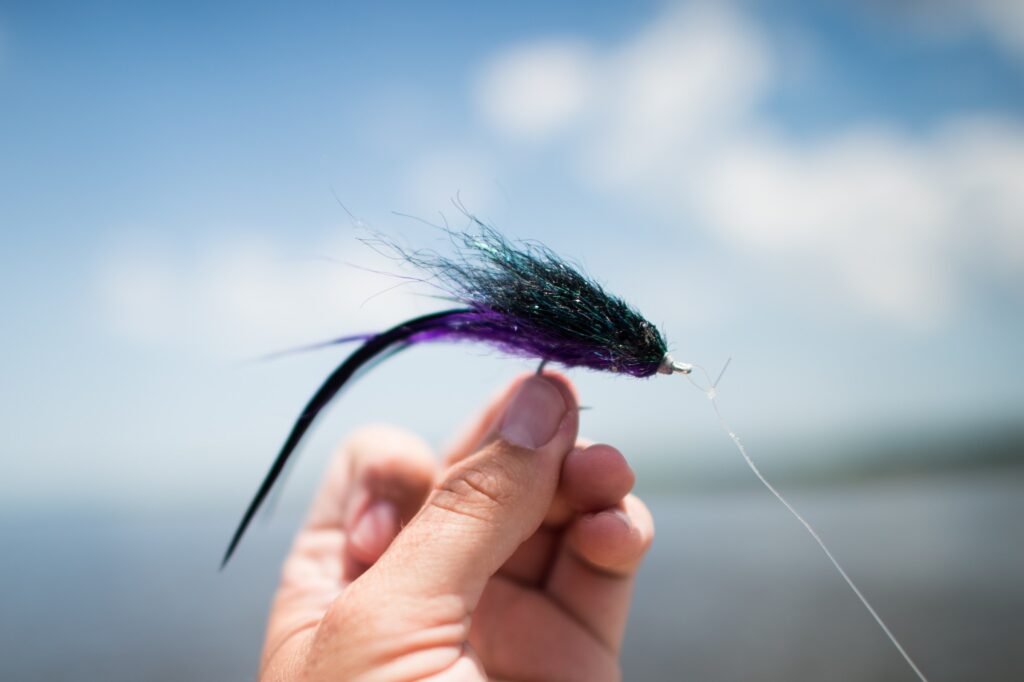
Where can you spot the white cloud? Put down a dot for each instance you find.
(892, 224)
(535, 90)
(895, 223)
(863, 211)
(241, 298)
(983, 160)
(674, 90)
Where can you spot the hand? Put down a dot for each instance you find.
(515, 563)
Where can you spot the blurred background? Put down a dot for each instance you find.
(831, 194)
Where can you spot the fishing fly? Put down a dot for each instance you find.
(523, 300)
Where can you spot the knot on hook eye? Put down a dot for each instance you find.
(670, 366)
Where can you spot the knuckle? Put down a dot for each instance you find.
(478, 490)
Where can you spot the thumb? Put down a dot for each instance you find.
(488, 503)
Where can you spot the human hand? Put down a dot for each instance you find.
(514, 563)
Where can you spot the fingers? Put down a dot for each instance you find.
(593, 478)
(612, 541)
(393, 472)
(579, 627)
(489, 502)
(592, 577)
(376, 482)
(523, 635)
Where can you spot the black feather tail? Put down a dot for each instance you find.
(370, 350)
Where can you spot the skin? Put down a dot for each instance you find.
(513, 561)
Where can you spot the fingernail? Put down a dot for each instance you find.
(621, 516)
(616, 514)
(534, 414)
(374, 530)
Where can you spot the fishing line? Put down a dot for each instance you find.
(712, 394)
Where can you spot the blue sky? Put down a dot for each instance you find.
(829, 193)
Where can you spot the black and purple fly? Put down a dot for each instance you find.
(522, 299)
(518, 297)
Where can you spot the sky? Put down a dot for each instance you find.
(831, 194)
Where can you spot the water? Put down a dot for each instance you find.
(733, 590)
